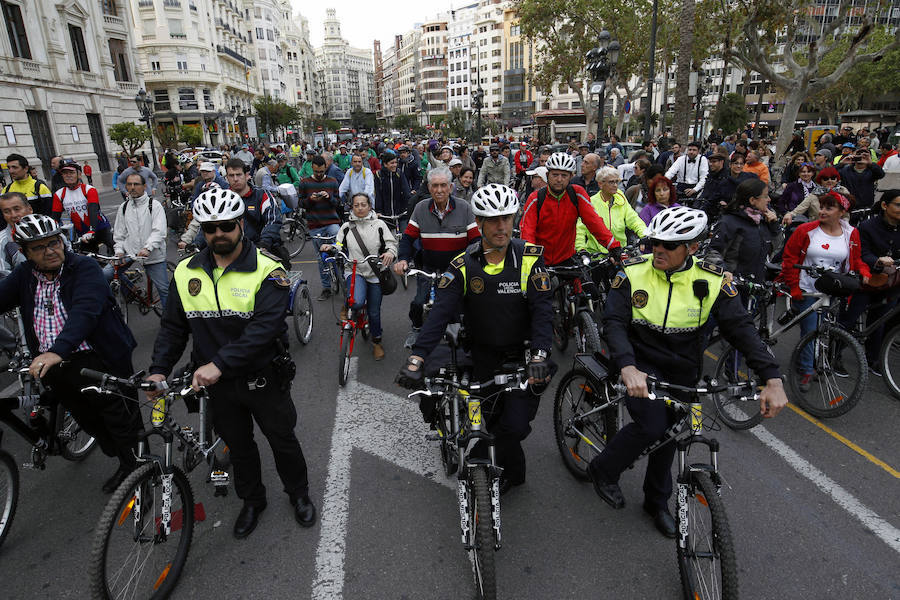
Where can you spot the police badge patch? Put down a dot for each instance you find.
(639, 299)
(541, 281)
(446, 279)
(618, 280)
(477, 285)
(280, 278)
(194, 286)
(729, 289)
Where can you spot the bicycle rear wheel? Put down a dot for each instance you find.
(732, 367)
(705, 549)
(838, 376)
(75, 443)
(580, 437)
(132, 555)
(9, 493)
(890, 360)
(482, 522)
(346, 351)
(302, 310)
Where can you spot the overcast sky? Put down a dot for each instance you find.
(362, 22)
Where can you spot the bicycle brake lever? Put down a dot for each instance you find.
(95, 389)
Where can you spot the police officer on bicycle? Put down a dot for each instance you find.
(504, 290)
(232, 297)
(657, 321)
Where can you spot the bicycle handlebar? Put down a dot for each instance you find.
(654, 384)
(347, 258)
(426, 274)
(510, 382)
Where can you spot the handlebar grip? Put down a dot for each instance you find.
(95, 375)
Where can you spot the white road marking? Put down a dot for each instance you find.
(889, 534)
(385, 425)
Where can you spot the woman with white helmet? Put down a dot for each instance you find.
(659, 313)
(504, 290)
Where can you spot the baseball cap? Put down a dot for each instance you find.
(825, 152)
(539, 171)
(716, 156)
(453, 162)
(68, 163)
(207, 166)
(246, 146)
(848, 145)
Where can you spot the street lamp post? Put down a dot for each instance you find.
(699, 100)
(601, 64)
(478, 104)
(145, 107)
(707, 89)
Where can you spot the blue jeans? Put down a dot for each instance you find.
(416, 310)
(327, 231)
(369, 295)
(808, 324)
(159, 275)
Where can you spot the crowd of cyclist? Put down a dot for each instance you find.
(455, 210)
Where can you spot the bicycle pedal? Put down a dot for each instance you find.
(219, 477)
(34, 466)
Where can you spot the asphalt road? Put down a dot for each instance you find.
(811, 516)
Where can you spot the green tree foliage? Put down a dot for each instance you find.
(167, 136)
(404, 122)
(790, 32)
(190, 135)
(276, 114)
(361, 120)
(455, 122)
(129, 135)
(731, 114)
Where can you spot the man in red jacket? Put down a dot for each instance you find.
(551, 213)
(522, 161)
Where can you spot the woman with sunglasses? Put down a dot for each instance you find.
(617, 214)
(377, 238)
(795, 191)
(831, 242)
(828, 179)
(744, 235)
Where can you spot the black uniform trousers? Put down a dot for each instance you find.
(115, 422)
(650, 419)
(234, 407)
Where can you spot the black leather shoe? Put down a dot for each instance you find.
(111, 484)
(247, 520)
(304, 511)
(611, 493)
(663, 520)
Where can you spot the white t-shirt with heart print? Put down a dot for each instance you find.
(829, 251)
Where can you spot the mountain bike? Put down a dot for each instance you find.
(574, 300)
(131, 286)
(357, 320)
(461, 418)
(49, 427)
(142, 539)
(295, 231)
(587, 413)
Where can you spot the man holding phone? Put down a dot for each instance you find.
(320, 196)
(859, 177)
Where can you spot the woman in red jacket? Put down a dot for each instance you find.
(829, 242)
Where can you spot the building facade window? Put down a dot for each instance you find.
(187, 99)
(161, 100)
(78, 48)
(109, 8)
(15, 29)
(120, 62)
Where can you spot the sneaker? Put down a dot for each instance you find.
(805, 382)
(411, 338)
(344, 314)
(875, 370)
(837, 367)
(325, 295)
(377, 350)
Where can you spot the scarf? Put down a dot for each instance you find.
(753, 214)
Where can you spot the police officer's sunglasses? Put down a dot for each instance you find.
(667, 245)
(223, 226)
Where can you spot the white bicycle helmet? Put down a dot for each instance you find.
(35, 227)
(677, 224)
(218, 205)
(560, 161)
(494, 200)
(183, 159)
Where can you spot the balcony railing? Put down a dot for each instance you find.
(145, 3)
(178, 36)
(229, 52)
(114, 21)
(172, 3)
(127, 87)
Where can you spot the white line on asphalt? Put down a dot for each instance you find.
(889, 534)
(385, 425)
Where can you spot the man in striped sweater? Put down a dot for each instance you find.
(319, 195)
(444, 226)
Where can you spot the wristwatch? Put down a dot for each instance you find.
(538, 355)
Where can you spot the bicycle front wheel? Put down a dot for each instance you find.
(731, 366)
(9, 493)
(481, 520)
(293, 235)
(346, 352)
(302, 310)
(587, 334)
(890, 360)
(705, 549)
(560, 320)
(581, 430)
(133, 555)
(838, 375)
(75, 442)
